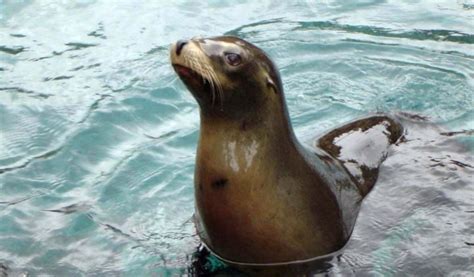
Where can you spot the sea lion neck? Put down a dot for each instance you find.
(271, 132)
(270, 127)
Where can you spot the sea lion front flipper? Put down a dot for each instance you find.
(362, 146)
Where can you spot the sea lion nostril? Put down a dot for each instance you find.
(179, 46)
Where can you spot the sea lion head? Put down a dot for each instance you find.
(228, 76)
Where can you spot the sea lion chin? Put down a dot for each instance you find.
(261, 196)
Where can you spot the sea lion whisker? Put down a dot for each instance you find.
(217, 84)
(205, 78)
(215, 88)
(212, 79)
(219, 88)
(202, 68)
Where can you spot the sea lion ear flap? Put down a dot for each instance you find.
(272, 85)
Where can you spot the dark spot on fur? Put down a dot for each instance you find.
(220, 183)
(243, 126)
(201, 187)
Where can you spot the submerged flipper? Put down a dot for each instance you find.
(362, 146)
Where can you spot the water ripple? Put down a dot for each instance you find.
(23, 164)
(435, 35)
(25, 91)
(12, 50)
(98, 135)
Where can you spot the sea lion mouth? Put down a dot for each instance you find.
(197, 72)
(192, 78)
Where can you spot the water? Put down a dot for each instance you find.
(98, 136)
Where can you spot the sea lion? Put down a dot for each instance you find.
(261, 196)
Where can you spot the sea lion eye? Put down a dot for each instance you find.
(233, 59)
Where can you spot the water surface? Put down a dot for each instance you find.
(98, 136)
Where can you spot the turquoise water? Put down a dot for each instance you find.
(98, 135)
